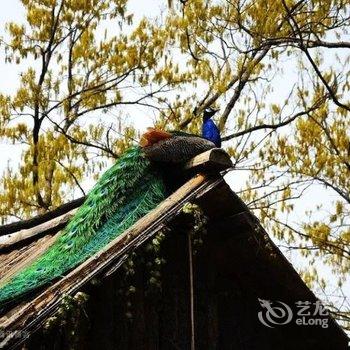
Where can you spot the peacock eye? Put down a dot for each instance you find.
(73, 231)
(69, 245)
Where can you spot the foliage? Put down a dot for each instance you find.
(151, 258)
(198, 229)
(68, 317)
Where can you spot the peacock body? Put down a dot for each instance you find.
(131, 188)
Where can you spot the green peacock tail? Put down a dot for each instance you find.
(125, 192)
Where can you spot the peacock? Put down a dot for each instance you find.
(128, 190)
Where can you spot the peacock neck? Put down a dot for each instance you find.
(208, 123)
(211, 132)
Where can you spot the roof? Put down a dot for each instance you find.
(246, 249)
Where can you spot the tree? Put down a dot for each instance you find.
(76, 68)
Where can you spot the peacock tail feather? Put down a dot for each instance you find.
(125, 192)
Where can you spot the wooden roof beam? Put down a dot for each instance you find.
(51, 226)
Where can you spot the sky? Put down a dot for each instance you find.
(13, 11)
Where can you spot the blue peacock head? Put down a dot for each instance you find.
(208, 113)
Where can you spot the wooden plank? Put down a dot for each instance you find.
(9, 259)
(34, 313)
(39, 248)
(51, 226)
(215, 159)
(37, 220)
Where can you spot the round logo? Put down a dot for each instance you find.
(275, 313)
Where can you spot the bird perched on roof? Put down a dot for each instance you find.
(128, 190)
